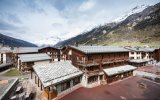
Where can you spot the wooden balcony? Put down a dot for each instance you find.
(108, 61)
(87, 63)
(92, 73)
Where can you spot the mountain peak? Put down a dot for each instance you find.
(134, 10)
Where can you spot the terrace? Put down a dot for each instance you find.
(133, 88)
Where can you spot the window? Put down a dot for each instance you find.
(132, 52)
(138, 52)
(65, 85)
(92, 79)
(101, 77)
(131, 58)
(76, 80)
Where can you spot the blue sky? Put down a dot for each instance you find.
(38, 20)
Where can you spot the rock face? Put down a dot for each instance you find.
(6, 40)
(141, 28)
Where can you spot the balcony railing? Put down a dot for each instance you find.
(103, 61)
(94, 72)
(87, 63)
(107, 61)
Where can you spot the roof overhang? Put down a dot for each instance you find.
(118, 70)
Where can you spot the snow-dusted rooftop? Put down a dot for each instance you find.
(5, 64)
(118, 70)
(99, 49)
(139, 60)
(53, 73)
(5, 50)
(34, 57)
(141, 49)
(25, 49)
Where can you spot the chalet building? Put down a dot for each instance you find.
(101, 64)
(22, 50)
(157, 54)
(5, 58)
(54, 53)
(141, 56)
(26, 61)
(56, 78)
(66, 53)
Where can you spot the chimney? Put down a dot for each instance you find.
(76, 44)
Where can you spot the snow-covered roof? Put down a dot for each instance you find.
(25, 49)
(139, 60)
(149, 49)
(5, 50)
(54, 73)
(34, 57)
(99, 49)
(141, 49)
(6, 88)
(118, 70)
(5, 64)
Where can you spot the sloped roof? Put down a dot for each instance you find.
(25, 50)
(99, 49)
(5, 50)
(141, 49)
(6, 88)
(34, 57)
(5, 64)
(118, 70)
(53, 73)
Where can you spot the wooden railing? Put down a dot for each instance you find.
(103, 61)
(90, 62)
(93, 72)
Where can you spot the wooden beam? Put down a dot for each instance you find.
(35, 80)
(41, 87)
(31, 74)
(38, 82)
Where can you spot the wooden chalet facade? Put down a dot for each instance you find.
(54, 53)
(157, 54)
(66, 53)
(141, 56)
(6, 58)
(26, 61)
(92, 60)
(22, 50)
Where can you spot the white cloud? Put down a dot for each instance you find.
(87, 5)
(49, 23)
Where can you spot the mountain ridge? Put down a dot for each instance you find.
(141, 28)
(13, 42)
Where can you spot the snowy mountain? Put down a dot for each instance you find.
(134, 10)
(50, 41)
(139, 27)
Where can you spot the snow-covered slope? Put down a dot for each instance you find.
(134, 10)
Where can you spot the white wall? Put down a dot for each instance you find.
(84, 80)
(4, 58)
(135, 55)
(70, 52)
(0, 57)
